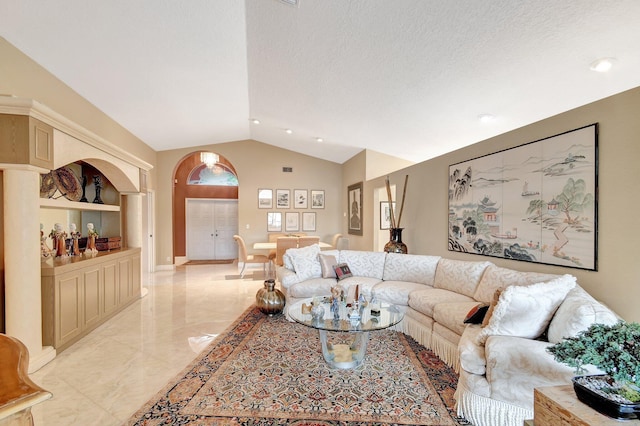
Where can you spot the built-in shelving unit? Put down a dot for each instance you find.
(63, 203)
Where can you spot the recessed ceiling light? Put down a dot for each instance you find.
(486, 118)
(255, 121)
(602, 64)
(319, 140)
(288, 131)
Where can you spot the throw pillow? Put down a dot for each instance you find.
(476, 314)
(525, 311)
(305, 261)
(492, 306)
(327, 263)
(342, 271)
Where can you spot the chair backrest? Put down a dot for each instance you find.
(242, 248)
(307, 241)
(335, 240)
(282, 245)
(273, 237)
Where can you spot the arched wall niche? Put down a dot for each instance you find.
(182, 191)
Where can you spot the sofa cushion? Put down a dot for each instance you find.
(516, 366)
(424, 301)
(305, 261)
(472, 356)
(311, 287)
(327, 263)
(497, 278)
(451, 315)
(410, 267)
(576, 313)
(396, 292)
(364, 263)
(366, 284)
(525, 311)
(459, 276)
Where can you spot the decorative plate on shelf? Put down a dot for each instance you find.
(47, 185)
(67, 183)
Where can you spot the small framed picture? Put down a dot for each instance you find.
(385, 214)
(274, 222)
(354, 195)
(308, 221)
(282, 198)
(317, 199)
(265, 198)
(300, 198)
(291, 221)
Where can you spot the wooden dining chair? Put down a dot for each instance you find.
(273, 238)
(282, 245)
(249, 258)
(308, 241)
(17, 392)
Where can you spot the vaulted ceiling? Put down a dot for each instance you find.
(409, 78)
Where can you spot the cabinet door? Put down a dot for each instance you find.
(92, 297)
(125, 281)
(110, 282)
(69, 310)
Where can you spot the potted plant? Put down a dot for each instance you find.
(614, 349)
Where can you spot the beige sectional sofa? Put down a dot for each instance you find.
(499, 363)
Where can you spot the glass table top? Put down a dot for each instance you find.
(384, 315)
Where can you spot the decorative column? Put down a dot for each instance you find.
(23, 302)
(134, 226)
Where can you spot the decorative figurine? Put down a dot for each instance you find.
(45, 251)
(75, 236)
(84, 187)
(92, 234)
(97, 182)
(59, 240)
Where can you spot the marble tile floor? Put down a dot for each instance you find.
(109, 374)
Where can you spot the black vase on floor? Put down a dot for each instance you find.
(395, 244)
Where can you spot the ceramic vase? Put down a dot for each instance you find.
(269, 299)
(395, 244)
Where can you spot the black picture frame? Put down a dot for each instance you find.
(354, 201)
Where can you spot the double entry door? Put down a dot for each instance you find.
(211, 225)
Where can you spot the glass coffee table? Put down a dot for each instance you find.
(353, 332)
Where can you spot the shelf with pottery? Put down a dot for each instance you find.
(81, 292)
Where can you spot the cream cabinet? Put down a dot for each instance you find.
(78, 293)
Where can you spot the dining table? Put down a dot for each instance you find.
(272, 245)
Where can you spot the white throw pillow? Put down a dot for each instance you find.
(525, 311)
(305, 261)
(578, 311)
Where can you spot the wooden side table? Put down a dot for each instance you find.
(558, 405)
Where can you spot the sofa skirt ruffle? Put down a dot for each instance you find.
(483, 411)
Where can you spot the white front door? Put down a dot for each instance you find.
(211, 224)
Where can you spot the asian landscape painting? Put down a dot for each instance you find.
(535, 202)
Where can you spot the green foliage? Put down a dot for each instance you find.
(615, 349)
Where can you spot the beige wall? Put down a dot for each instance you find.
(258, 166)
(617, 281)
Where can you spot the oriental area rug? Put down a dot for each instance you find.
(268, 371)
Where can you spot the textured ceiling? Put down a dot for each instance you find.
(406, 78)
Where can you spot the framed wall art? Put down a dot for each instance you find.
(300, 198)
(308, 221)
(274, 222)
(265, 198)
(385, 214)
(317, 199)
(283, 198)
(291, 221)
(536, 202)
(354, 197)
